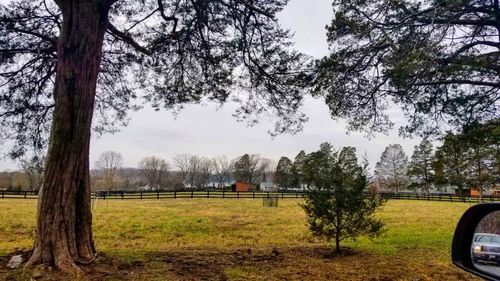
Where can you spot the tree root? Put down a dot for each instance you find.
(35, 258)
(86, 261)
(62, 262)
(68, 266)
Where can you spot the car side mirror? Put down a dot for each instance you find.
(476, 242)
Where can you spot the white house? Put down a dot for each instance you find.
(268, 186)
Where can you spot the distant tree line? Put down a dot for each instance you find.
(28, 178)
(185, 171)
(466, 159)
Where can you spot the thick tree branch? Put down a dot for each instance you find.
(29, 50)
(161, 8)
(457, 21)
(472, 45)
(459, 81)
(127, 39)
(36, 34)
(418, 16)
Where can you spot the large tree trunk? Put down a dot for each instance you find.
(64, 226)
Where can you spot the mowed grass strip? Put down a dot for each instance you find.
(417, 233)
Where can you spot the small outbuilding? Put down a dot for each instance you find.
(240, 187)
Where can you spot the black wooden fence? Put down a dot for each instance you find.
(125, 195)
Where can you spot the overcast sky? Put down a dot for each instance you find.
(205, 131)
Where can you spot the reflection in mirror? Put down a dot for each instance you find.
(486, 244)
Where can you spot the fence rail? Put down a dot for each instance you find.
(125, 195)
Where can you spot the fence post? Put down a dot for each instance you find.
(223, 193)
(253, 194)
(208, 193)
(25, 193)
(175, 194)
(3, 194)
(157, 194)
(237, 194)
(123, 194)
(192, 194)
(141, 195)
(282, 195)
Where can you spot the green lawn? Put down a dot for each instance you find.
(160, 234)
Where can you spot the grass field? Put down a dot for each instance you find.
(238, 239)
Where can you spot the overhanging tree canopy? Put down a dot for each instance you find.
(63, 63)
(166, 52)
(438, 60)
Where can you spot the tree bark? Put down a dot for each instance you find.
(64, 222)
(338, 230)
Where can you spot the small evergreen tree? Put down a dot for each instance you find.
(336, 204)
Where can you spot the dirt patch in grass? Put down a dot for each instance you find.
(285, 263)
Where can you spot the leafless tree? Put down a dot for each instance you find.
(393, 166)
(183, 163)
(194, 166)
(222, 168)
(199, 171)
(154, 170)
(270, 169)
(109, 162)
(204, 172)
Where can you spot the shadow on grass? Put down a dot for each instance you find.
(283, 263)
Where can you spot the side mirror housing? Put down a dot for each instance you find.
(481, 258)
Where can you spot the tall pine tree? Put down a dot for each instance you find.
(420, 168)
